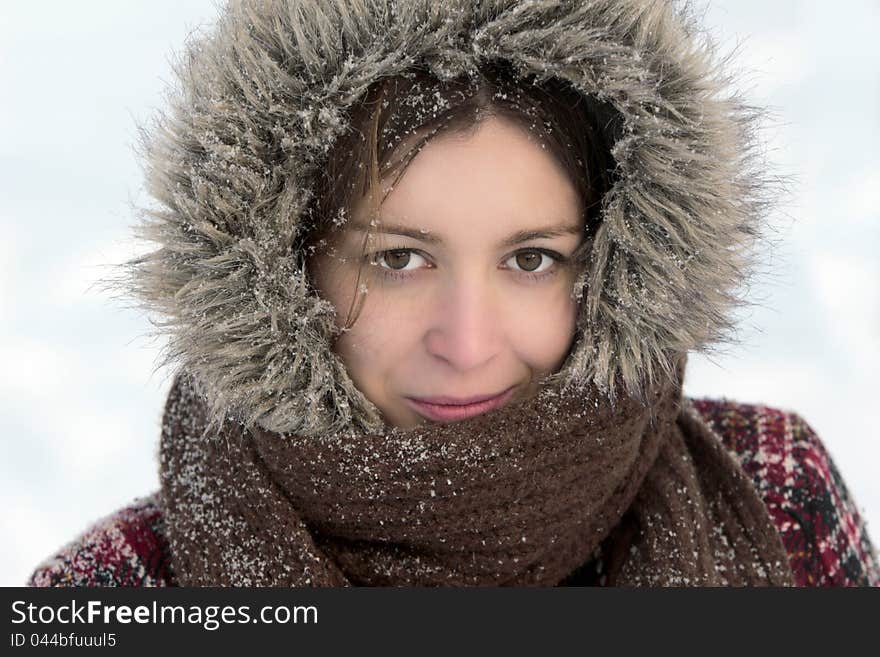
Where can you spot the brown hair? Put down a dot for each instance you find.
(399, 115)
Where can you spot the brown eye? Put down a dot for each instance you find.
(396, 259)
(533, 261)
(529, 260)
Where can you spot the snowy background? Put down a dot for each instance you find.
(79, 401)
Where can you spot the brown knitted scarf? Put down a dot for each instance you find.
(522, 495)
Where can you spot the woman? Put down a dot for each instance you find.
(431, 274)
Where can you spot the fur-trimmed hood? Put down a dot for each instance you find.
(232, 164)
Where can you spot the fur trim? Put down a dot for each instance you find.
(232, 162)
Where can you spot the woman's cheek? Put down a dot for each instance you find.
(373, 342)
(546, 329)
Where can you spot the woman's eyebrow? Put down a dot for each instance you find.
(428, 237)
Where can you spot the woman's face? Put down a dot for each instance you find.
(469, 296)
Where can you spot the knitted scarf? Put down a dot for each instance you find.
(522, 495)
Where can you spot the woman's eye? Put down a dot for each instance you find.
(402, 263)
(530, 261)
(398, 259)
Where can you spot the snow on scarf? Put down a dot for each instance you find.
(518, 496)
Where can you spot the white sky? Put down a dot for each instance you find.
(79, 403)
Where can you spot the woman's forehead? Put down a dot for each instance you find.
(495, 182)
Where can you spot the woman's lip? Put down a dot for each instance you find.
(446, 412)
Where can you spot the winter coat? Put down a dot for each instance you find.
(234, 161)
(820, 525)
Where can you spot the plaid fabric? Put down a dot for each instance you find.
(127, 548)
(821, 528)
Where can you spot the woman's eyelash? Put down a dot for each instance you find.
(399, 274)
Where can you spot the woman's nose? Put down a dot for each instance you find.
(464, 327)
